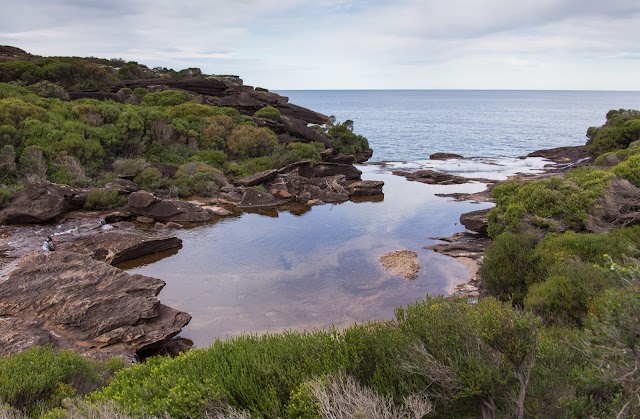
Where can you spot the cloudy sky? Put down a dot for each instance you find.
(350, 44)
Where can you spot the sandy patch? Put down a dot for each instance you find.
(401, 263)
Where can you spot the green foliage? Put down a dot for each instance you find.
(246, 141)
(40, 378)
(165, 98)
(629, 169)
(129, 167)
(302, 404)
(555, 204)
(13, 111)
(45, 88)
(103, 199)
(5, 195)
(268, 112)
(344, 140)
(621, 129)
(510, 265)
(151, 179)
(197, 178)
(215, 158)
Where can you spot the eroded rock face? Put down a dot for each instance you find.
(476, 221)
(115, 247)
(365, 188)
(146, 204)
(253, 198)
(84, 305)
(320, 170)
(41, 203)
(432, 177)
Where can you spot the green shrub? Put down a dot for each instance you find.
(629, 169)
(165, 98)
(46, 88)
(510, 266)
(268, 112)
(13, 111)
(587, 247)
(620, 130)
(103, 199)
(129, 167)
(344, 140)
(246, 141)
(5, 195)
(215, 158)
(151, 179)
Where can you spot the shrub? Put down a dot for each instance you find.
(45, 88)
(129, 167)
(5, 195)
(345, 141)
(620, 130)
(215, 158)
(510, 265)
(268, 112)
(103, 199)
(629, 169)
(165, 98)
(13, 111)
(246, 141)
(151, 179)
(67, 170)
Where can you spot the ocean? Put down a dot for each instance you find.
(409, 125)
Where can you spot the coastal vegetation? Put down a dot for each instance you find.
(556, 333)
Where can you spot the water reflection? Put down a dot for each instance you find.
(311, 267)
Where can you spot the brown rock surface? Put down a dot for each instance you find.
(115, 247)
(330, 169)
(146, 204)
(253, 198)
(257, 178)
(401, 263)
(83, 305)
(476, 221)
(432, 177)
(40, 203)
(365, 188)
(445, 156)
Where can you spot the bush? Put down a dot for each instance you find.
(246, 141)
(215, 158)
(629, 169)
(151, 179)
(103, 199)
(345, 141)
(5, 196)
(510, 265)
(620, 130)
(46, 88)
(165, 98)
(129, 167)
(268, 112)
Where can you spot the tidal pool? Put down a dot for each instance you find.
(284, 270)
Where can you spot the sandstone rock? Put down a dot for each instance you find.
(363, 156)
(401, 263)
(313, 202)
(257, 178)
(253, 198)
(432, 177)
(144, 220)
(124, 186)
(115, 247)
(340, 159)
(562, 154)
(476, 221)
(365, 188)
(299, 129)
(144, 203)
(40, 203)
(330, 169)
(84, 305)
(159, 225)
(173, 225)
(445, 156)
(216, 210)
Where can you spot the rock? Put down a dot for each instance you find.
(146, 204)
(253, 198)
(173, 225)
(144, 220)
(563, 154)
(115, 247)
(159, 225)
(216, 210)
(363, 156)
(463, 244)
(313, 202)
(41, 202)
(340, 159)
(330, 169)
(401, 263)
(256, 178)
(298, 128)
(445, 156)
(85, 306)
(365, 188)
(432, 177)
(476, 221)
(124, 186)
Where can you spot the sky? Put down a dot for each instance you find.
(350, 44)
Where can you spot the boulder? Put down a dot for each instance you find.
(299, 129)
(216, 210)
(432, 177)
(476, 221)
(330, 169)
(124, 186)
(146, 204)
(144, 220)
(363, 155)
(256, 178)
(253, 198)
(41, 202)
(81, 304)
(445, 156)
(365, 188)
(340, 159)
(115, 247)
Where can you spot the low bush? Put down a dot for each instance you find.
(246, 141)
(621, 129)
(45, 88)
(215, 158)
(344, 140)
(629, 169)
(129, 167)
(151, 179)
(510, 266)
(165, 98)
(268, 112)
(5, 195)
(103, 199)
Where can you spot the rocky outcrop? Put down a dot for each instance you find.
(320, 170)
(257, 178)
(115, 247)
(146, 204)
(562, 155)
(41, 202)
(84, 305)
(476, 221)
(432, 177)
(365, 188)
(445, 156)
(253, 198)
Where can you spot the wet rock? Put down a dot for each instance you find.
(173, 226)
(365, 188)
(320, 170)
(216, 210)
(144, 220)
(432, 177)
(445, 156)
(476, 221)
(115, 247)
(84, 305)
(40, 203)
(253, 198)
(257, 178)
(146, 204)
(464, 244)
(401, 263)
